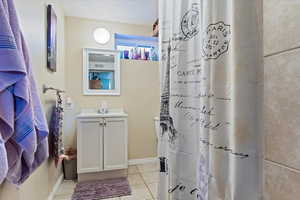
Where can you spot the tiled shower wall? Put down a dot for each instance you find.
(282, 99)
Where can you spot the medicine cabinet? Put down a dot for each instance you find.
(101, 72)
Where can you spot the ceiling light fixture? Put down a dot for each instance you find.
(101, 35)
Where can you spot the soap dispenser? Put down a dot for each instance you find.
(103, 107)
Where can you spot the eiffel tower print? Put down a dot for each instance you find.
(166, 121)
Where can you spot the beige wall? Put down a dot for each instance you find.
(32, 15)
(139, 85)
(281, 104)
(140, 93)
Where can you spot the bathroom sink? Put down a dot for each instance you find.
(94, 113)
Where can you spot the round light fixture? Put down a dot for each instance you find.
(101, 35)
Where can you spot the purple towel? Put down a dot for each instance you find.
(3, 160)
(23, 126)
(55, 136)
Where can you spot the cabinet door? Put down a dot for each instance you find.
(115, 143)
(90, 145)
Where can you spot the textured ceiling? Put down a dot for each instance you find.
(126, 11)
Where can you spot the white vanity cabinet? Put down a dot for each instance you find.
(101, 142)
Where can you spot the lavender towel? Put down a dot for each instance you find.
(3, 160)
(23, 127)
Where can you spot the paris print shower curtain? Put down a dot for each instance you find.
(211, 96)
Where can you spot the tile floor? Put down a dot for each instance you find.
(143, 180)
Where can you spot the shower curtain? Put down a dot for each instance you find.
(211, 100)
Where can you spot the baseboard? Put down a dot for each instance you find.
(142, 161)
(111, 174)
(55, 187)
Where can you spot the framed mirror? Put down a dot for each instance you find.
(101, 72)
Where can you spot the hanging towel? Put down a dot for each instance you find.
(23, 126)
(55, 136)
(3, 160)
